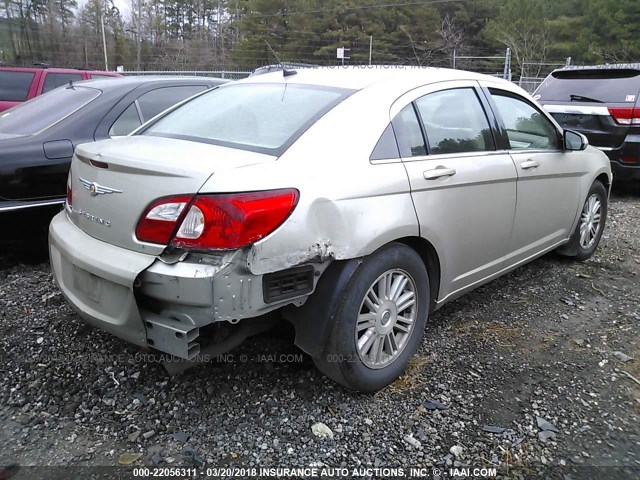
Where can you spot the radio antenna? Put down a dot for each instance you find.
(285, 72)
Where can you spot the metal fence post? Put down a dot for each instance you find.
(507, 64)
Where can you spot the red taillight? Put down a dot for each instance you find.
(69, 192)
(625, 115)
(235, 220)
(223, 222)
(160, 219)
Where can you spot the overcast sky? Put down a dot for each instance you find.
(123, 6)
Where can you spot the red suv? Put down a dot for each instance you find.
(21, 84)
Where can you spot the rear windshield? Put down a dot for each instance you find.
(14, 86)
(264, 118)
(607, 86)
(46, 110)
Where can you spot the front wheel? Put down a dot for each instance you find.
(379, 322)
(588, 232)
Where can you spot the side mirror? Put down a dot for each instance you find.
(574, 141)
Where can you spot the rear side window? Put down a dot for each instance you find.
(157, 101)
(14, 86)
(408, 133)
(386, 148)
(597, 85)
(455, 122)
(55, 80)
(264, 118)
(126, 123)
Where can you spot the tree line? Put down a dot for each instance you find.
(244, 34)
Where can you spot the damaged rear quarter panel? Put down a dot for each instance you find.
(347, 208)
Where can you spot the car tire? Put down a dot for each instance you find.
(394, 275)
(588, 232)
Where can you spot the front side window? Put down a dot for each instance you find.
(264, 118)
(46, 110)
(55, 80)
(527, 128)
(14, 86)
(455, 122)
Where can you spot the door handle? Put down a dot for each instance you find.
(438, 172)
(526, 165)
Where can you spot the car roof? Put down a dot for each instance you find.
(360, 77)
(120, 82)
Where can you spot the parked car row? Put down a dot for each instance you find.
(353, 202)
(38, 138)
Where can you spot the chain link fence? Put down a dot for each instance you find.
(494, 65)
(530, 84)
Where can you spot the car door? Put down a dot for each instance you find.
(548, 177)
(463, 187)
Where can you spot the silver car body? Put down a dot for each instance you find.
(494, 214)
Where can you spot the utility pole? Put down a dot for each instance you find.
(453, 62)
(104, 44)
(370, 47)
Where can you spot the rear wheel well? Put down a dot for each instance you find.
(604, 179)
(430, 258)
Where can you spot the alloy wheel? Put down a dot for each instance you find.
(386, 319)
(590, 221)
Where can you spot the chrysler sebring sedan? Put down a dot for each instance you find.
(354, 201)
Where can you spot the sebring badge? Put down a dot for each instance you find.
(93, 218)
(97, 189)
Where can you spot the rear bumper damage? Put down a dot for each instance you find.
(185, 306)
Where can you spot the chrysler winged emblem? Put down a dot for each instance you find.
(97, 189)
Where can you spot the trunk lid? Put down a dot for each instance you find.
(113, 181)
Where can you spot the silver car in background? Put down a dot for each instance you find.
(354, 201)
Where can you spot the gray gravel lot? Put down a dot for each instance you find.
(536, 345)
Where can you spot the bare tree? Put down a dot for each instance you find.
(451, 34)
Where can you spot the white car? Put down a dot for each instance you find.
(355, 201)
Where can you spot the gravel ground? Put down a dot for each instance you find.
(520, 375)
